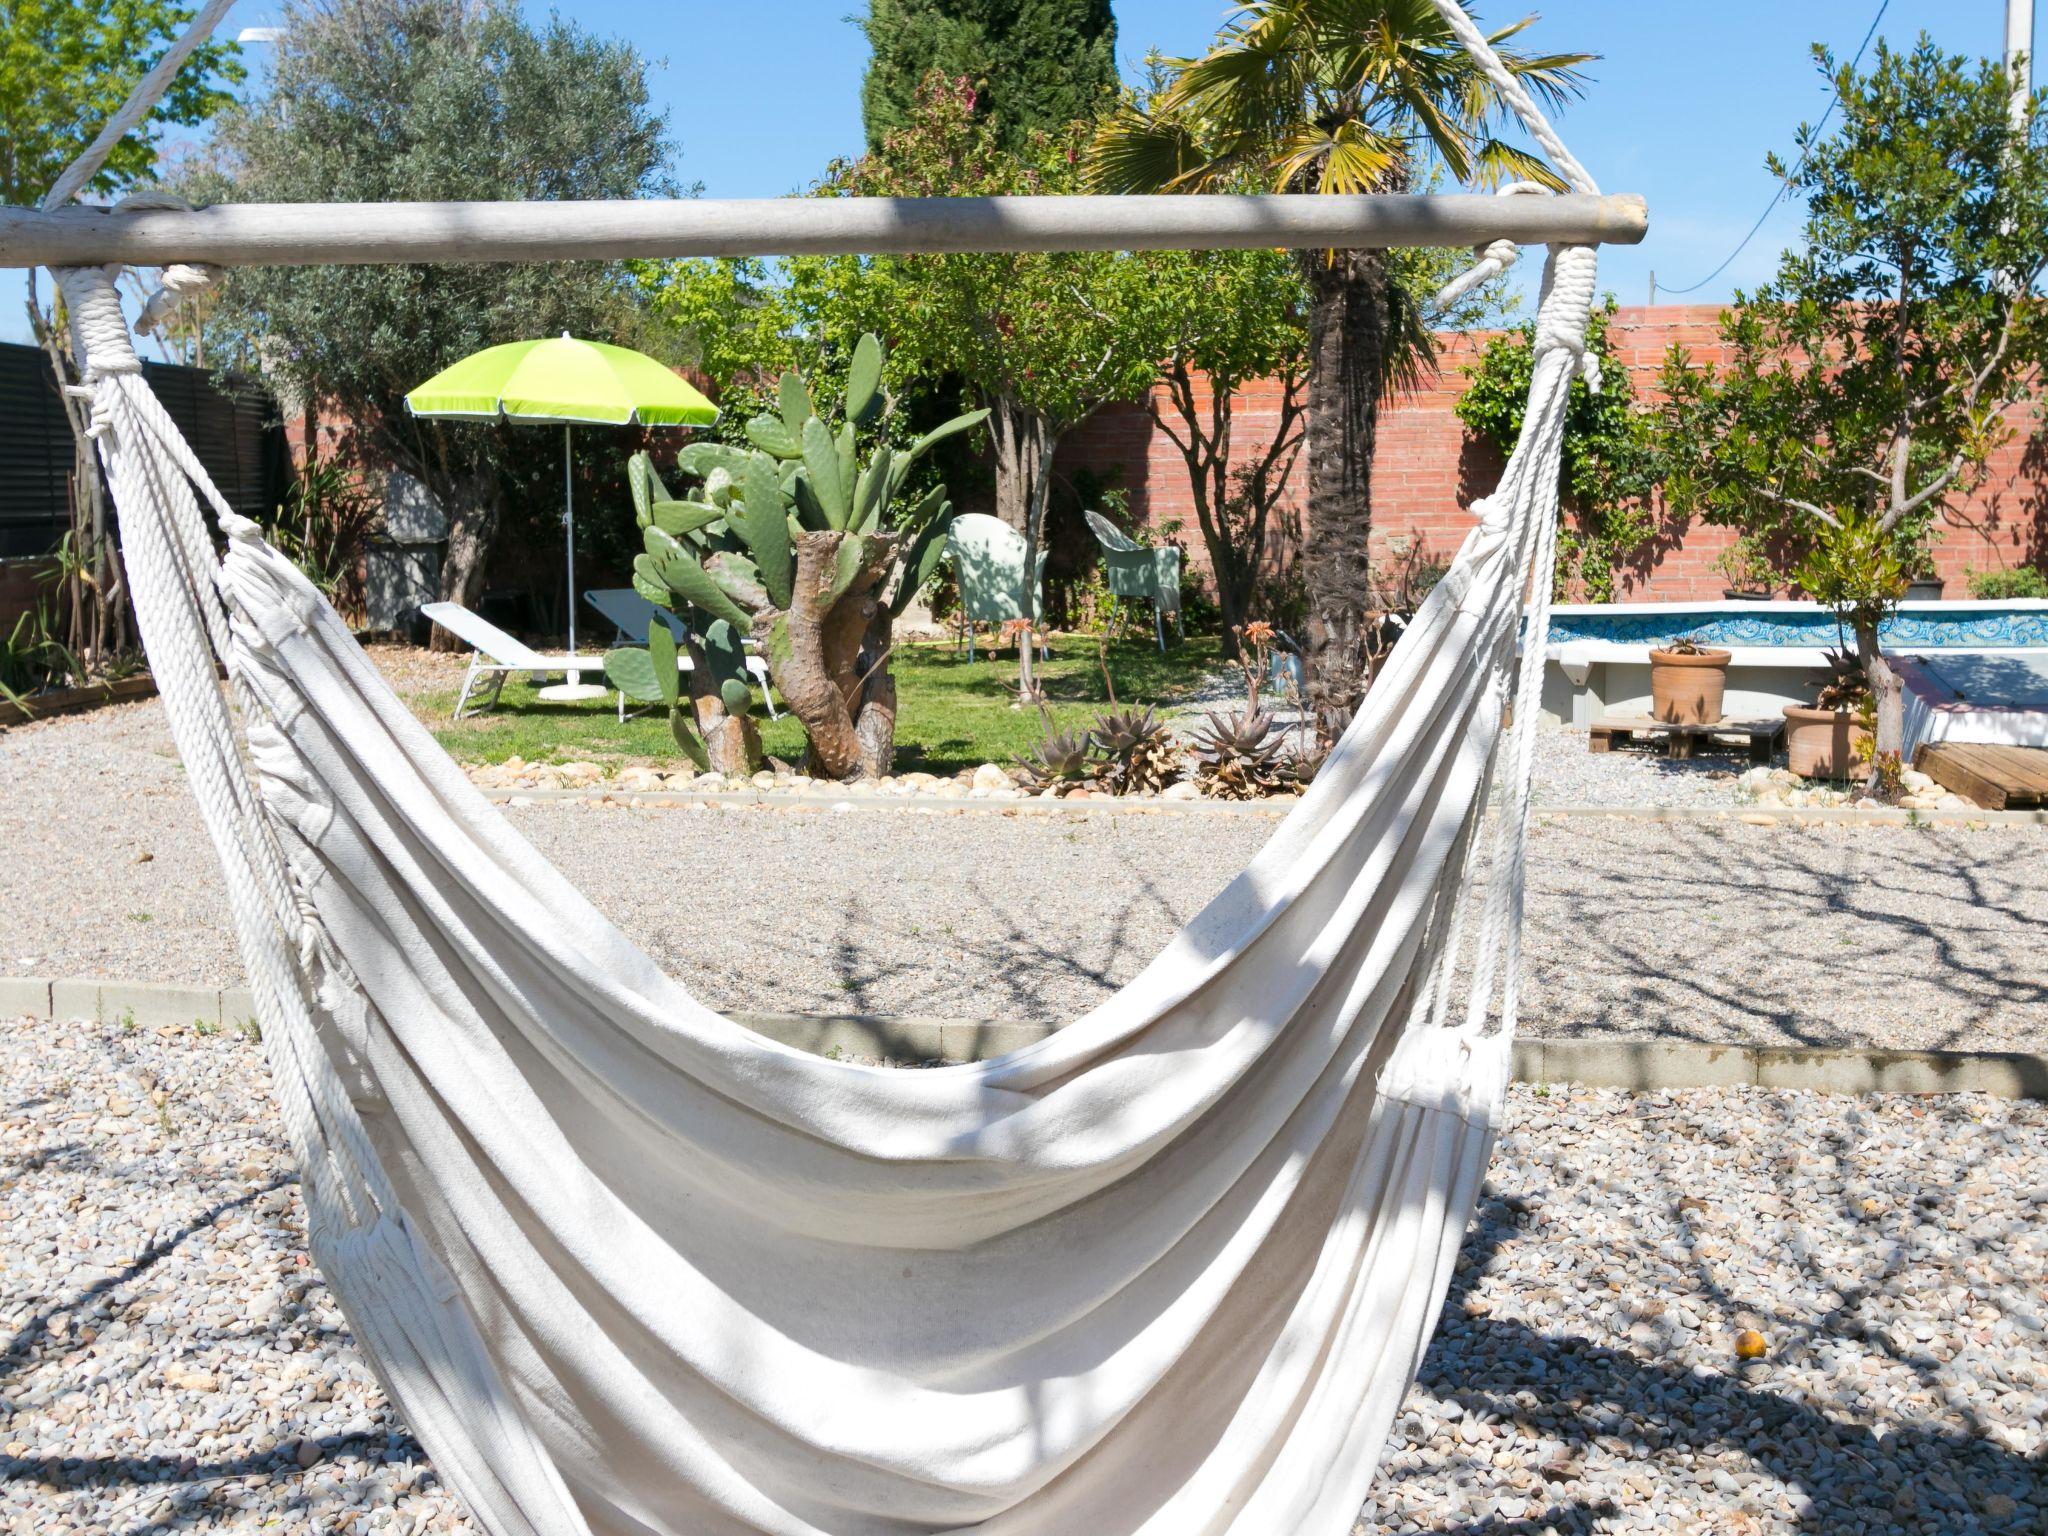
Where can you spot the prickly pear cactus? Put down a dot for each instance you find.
(800, 544)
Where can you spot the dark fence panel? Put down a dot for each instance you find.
(35, 455)
(234, 430)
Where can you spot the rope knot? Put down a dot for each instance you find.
(1495, 257)
(180, 283)
(1566, 309)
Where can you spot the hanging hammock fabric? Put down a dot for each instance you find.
(627, 1267)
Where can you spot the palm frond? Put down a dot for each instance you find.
(1135, 151)
(1496, 162)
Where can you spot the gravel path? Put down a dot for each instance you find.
(171, 1363)
(1708, 930)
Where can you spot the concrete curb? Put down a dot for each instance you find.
(858, 800)
(1634, 1064)
(1274, 808)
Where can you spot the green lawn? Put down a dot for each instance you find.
(952, 713)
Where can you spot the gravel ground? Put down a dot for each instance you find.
(171, 1363)
(1708, 930)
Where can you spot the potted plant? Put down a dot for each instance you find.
(1687, 682)
(1751, 576)
(1828, 739)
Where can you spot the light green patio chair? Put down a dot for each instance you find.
(988, 564)
(1146, 571)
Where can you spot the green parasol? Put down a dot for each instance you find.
(566, 381)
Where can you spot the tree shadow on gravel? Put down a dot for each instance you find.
(19, 1349)
(188, 1482)
(1006, 979)
(1773, 936)
(1859, 1480)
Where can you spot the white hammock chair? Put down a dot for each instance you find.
(628, 1267)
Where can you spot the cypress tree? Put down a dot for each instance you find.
(1036, 64)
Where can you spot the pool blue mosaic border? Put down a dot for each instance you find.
(2016, 627)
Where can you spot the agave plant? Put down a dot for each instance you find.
(1137, 750)
(1238, 756)
(1063, 760)
(1846, 689)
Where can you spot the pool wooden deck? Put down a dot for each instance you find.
(1997, 778)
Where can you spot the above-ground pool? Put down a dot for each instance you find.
(1599, 653)
(2015, 624)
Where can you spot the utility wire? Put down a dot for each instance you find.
(1785, 185)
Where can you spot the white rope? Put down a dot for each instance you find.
(136, 109)
(1495, 257)
(1529, 493)
(1516, 95)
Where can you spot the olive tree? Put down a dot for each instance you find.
(1869, 381)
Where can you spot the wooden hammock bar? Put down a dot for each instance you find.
(309, 234)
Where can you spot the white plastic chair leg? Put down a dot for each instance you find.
(468, 682)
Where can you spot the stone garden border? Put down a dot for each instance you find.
(1275, 806)
(1633, 1064)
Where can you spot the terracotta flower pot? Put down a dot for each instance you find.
(1821, 743)
(1686, 687)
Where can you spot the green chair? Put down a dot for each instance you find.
(988, 565)
(1145, 571)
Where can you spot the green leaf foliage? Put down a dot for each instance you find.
(66, 66)
(700, 459)
(678, 519)
(763, 526)
(864, 381)
(1035, 67)
(661, 657)
(631, 671)
(795, 398)
(647, 581)
(682, 726)
(389, 102)
(821, 465)
(770, 435)
(679, 570)
(1608, 474)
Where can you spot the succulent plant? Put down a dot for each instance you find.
(1312, 752)
(1137, 749)
(718, 670)
(1063, 760)
(1847, 688)
(797, 524)
(1238, 756)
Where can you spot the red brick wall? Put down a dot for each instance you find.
(1428, 470)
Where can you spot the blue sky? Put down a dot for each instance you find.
(1686, 99)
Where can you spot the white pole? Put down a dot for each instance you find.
(2019, 55)
(569, 525)
(312, 234)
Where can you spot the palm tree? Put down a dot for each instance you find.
(1337, 96)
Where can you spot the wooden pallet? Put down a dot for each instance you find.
(1762, 737)
(1997, 778)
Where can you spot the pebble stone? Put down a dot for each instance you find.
(173, 1363)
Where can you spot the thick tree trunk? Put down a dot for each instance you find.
(1349, 334)
(474, 508)
(1042, 442)
(816, 661)
(1887, 691)
(875, 720)
(1012, 430)
(731, 742)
